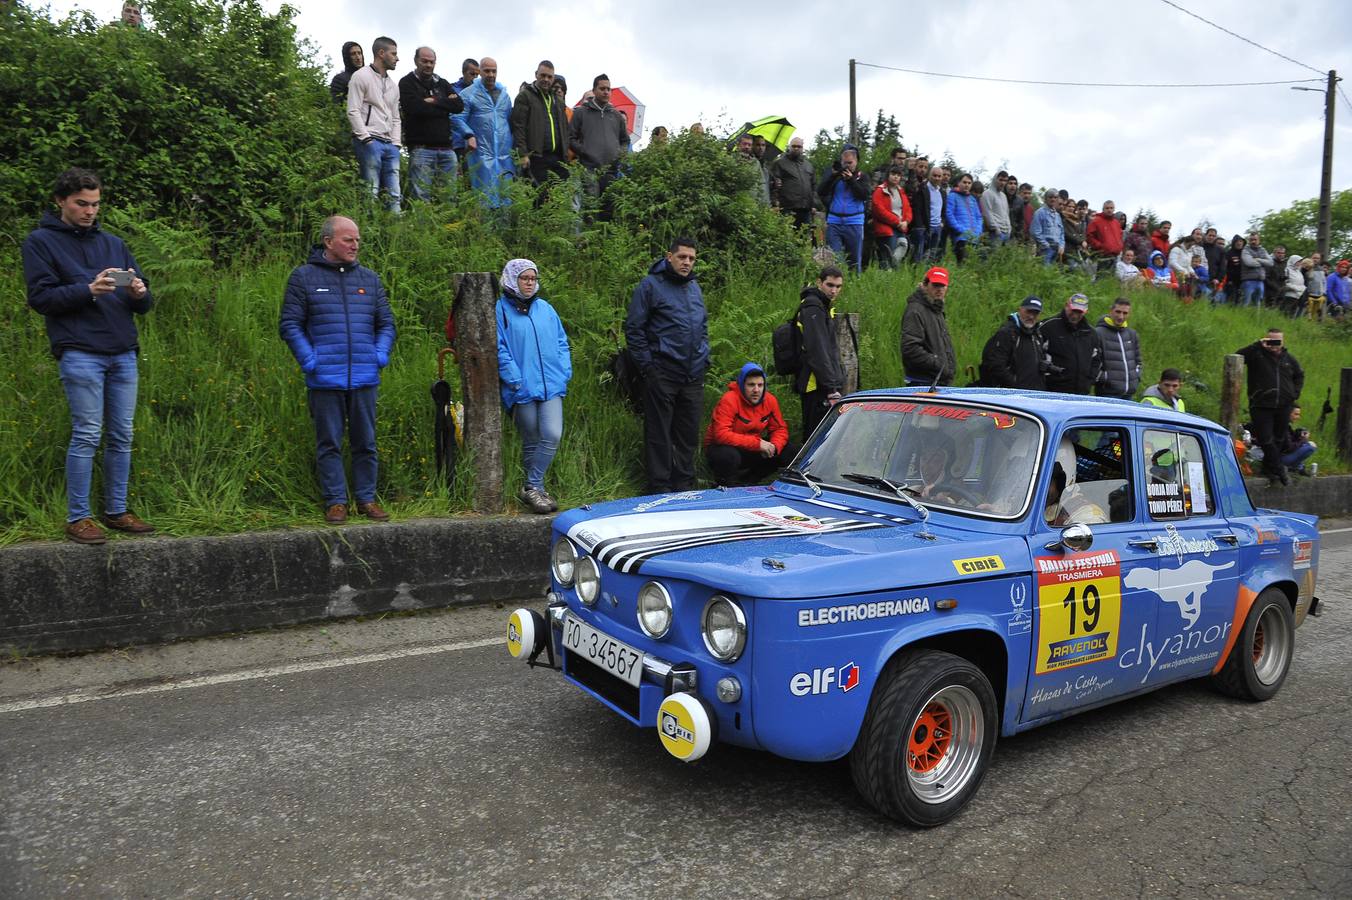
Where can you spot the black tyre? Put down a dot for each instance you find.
(927, 738)
(1261, 655)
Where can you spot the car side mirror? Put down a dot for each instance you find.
(1078, 538)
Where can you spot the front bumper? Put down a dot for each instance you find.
(661, 677)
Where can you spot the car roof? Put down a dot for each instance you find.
(1052, 407)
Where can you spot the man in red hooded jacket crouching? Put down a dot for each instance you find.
(747, 439)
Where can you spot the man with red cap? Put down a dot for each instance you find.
(926, 348)
(1338, 290)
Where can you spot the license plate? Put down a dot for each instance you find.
(600, 649)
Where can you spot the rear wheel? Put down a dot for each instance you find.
(1261, 655)
(927, 738)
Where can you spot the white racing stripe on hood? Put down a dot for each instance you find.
(624, 542)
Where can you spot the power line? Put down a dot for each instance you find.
(1094, 84)
(1343, 94)
(1188, 12)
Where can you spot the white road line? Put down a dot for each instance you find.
(1336, 531)
(89, 694)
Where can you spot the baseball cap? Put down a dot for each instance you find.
(937, 275)
(1079, 301)
(1031, 302)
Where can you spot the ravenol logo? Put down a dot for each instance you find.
(819, 681)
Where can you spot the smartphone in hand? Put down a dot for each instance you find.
(122, 277)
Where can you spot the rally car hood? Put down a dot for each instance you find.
(756, 542)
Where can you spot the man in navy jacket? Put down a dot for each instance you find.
(337, 321)
(667, 334)
(87, 286)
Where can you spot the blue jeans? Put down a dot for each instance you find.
(919, 237)
(541, 425)
(353, 411)
(1250, 290)
(848, 243)
(426, 164)
(1296, 458)
(379, 164)
(101, 392)
(1048, 253)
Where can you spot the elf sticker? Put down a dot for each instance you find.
(1079, 603)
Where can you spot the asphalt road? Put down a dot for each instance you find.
(410, 757)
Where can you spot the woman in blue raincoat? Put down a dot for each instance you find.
(534, 366)
(486, 126)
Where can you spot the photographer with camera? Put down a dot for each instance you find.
(1275, 380)
(86, 284)
(1296, 445)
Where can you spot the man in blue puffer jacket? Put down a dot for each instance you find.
(667, 333)
(337, 321)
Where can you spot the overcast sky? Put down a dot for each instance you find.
(1221, 154)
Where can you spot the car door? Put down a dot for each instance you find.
(1096, 607)
(1198, 557)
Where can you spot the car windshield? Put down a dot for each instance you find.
(946, 455)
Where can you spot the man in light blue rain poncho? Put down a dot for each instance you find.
(486, 128)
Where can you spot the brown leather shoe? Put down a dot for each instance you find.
(129, 522)
(372, 511)
(336, 514)
(85, 531)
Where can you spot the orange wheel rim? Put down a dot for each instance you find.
(931, 736)
(1258, 642)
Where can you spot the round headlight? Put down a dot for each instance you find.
(724, 628)
(588, 580)
(654, 610)
(563, 561)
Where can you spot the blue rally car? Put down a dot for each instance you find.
(935, 570)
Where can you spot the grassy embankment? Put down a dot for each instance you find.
(223, 441)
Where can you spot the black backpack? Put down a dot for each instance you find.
(787, 343)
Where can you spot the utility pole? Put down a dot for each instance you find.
(1326, 177)
(853, 127)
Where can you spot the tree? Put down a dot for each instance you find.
(1297, 226)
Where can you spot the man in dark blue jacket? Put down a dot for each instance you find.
(667, 332)
(87, 286)
(337, 321)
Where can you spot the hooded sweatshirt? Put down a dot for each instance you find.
(739, 423)
(59, 262)
(1015, 357)
(1153, 397)
(338, 86)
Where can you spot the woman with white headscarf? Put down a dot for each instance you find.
(534, 366)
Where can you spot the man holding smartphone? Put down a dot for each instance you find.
(86, 284)
(1275, 382)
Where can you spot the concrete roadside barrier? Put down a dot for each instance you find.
(61, 596)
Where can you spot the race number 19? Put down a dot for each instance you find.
(1079, 598)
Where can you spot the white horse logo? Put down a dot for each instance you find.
(1182, 587)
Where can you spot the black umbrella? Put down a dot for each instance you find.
(447, 425)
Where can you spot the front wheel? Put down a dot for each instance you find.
(927, 738)
(1261, 655)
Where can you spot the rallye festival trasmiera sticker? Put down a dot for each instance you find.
(1079, 602)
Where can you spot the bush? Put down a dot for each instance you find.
(215, 116)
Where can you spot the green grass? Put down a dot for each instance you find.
(223, 439)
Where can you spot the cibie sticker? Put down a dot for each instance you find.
(979, 565)
(1079, 602)
(684, 726)
(1302, 554)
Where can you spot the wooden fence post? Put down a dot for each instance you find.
(476, 347)
(1343, 432)
(847, 330)
(1232, 388)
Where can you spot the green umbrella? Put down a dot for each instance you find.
(775, 129)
